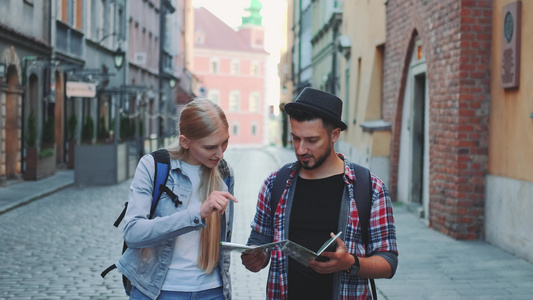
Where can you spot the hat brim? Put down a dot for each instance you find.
(316, 111)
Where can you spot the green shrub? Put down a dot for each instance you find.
(87, 131)
(103, 133)
(31, 137)
(72, 125)
(126, 128)
(46, 152)
(49, 131)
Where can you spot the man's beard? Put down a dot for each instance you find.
(319, 161)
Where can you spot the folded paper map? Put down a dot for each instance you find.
(292, 249)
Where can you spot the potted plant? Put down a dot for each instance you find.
(40, 161)
(103, 133)
(87, 131)
(31, 137)
(125, 128)
(49, 133)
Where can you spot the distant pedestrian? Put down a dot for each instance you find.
(176, 254)
(319, 200)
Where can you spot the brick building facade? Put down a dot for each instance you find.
(453, 38)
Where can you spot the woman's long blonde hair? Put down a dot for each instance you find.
(201, 118)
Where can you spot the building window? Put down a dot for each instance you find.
(234, 68)
(235, 129)
(234, 101)
(213, 66)
(199, 37)
(254, 69)
(88, 19)
(254, 129)
(111, 20)
(71, 13)
(347, 93)
(101, 20)
(121, 24)
(253, 105)
(214, 95)
(59, 10)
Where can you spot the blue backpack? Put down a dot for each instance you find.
(162, 170)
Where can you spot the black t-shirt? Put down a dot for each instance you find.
(314, 214)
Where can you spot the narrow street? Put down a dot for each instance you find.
(55, 247)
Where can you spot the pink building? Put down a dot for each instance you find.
(230, 67)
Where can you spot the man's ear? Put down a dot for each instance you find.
(335, 134)
(184, 142)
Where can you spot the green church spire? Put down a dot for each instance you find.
(254, 16)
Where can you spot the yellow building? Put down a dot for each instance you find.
(509, 183)
(361, 45)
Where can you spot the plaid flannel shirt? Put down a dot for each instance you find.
(382, 233)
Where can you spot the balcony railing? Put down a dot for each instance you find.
(69, 40)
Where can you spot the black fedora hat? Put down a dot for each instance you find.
(323, 104)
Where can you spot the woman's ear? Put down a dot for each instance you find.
(184, 143)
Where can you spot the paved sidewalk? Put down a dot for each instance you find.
(17, 194)
(432, 265)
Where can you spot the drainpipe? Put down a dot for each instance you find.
(333, 75)
(299, 48)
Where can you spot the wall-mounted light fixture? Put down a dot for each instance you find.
(119, 57)
(172, 83)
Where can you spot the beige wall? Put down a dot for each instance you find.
(364, 22)
(511, 127)
(509, 184)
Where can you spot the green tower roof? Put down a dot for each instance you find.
(254, 17)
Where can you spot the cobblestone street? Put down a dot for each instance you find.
(55, 247)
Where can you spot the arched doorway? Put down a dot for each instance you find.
(413, 166)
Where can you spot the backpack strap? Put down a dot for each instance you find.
(363, 198)
(279, 186)
(363, 201)
(162, 170)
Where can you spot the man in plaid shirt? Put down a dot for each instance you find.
(319, 200)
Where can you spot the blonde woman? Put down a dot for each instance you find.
(175, 255)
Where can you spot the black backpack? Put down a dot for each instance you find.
(363, 201)
(162, 169)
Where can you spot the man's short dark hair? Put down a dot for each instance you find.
(301, 115)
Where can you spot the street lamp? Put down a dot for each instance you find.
(119, 58)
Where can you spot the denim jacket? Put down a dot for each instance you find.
(151, 241)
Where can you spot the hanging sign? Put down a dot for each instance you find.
(81, 89)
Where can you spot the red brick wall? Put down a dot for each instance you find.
(456, 37)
